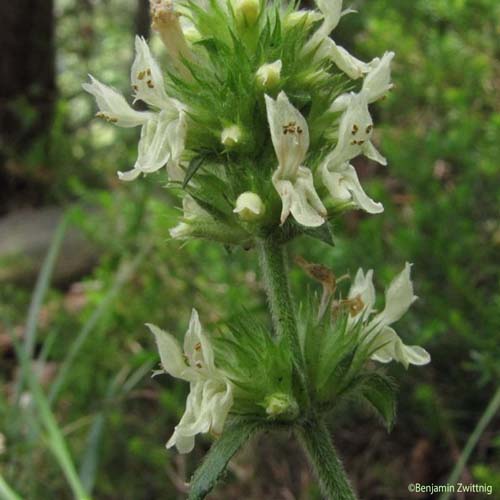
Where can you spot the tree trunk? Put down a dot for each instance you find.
(27, 73)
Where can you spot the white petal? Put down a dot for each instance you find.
(129, 175)
(393, 348)
(416, 355)
(289, 133)
(355, 130)
(343, 185)
(197, 346)
(332, 12)
(176, 140)
(113, 106)
(346, 62)
(398, 298)
(362, 287)
(378, 81)
(171, 355)
(146, 77)
(161, 139)
(371, 152)
(362, 200)
(341, 103)
(300, 199)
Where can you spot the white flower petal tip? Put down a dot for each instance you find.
(343, 185)
(249, 207)
(113, 107)
(378, 80)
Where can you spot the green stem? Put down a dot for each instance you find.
(491, 410)
(316, 440)
(275, 274)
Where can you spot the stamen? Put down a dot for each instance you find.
(197, 346)
(369, 129)
(355, 129)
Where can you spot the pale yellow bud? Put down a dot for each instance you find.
(249, 207)
(281, 405)
(248, 11)
(268, 75)
(303, 18)
(231, 136)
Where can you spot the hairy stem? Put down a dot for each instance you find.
(317, 443)
(275, 274)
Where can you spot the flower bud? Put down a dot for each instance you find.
(281, 405)
(268, 75)
(231, 136)
(249, 207)
(303, 18)
(247, 11)
(165, 21)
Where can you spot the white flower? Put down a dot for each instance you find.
(163, 133)
(211, 394)
(398, 299)
(354, 138)
(268, 75)
(249, 206)
(293, 182)
(325, 48)
(192, 212)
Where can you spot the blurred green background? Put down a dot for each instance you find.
(85, 261)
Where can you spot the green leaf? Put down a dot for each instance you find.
(323, 233)
(215, 463)
(193, 167)
(380, 392)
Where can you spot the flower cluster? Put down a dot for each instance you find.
(257, 117)
(243, 82)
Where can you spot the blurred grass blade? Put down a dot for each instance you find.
(54, 437)
(41, 287)
(90, 462)
(6, 492)
(215, 463)
(123, 275)
(491, 410)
